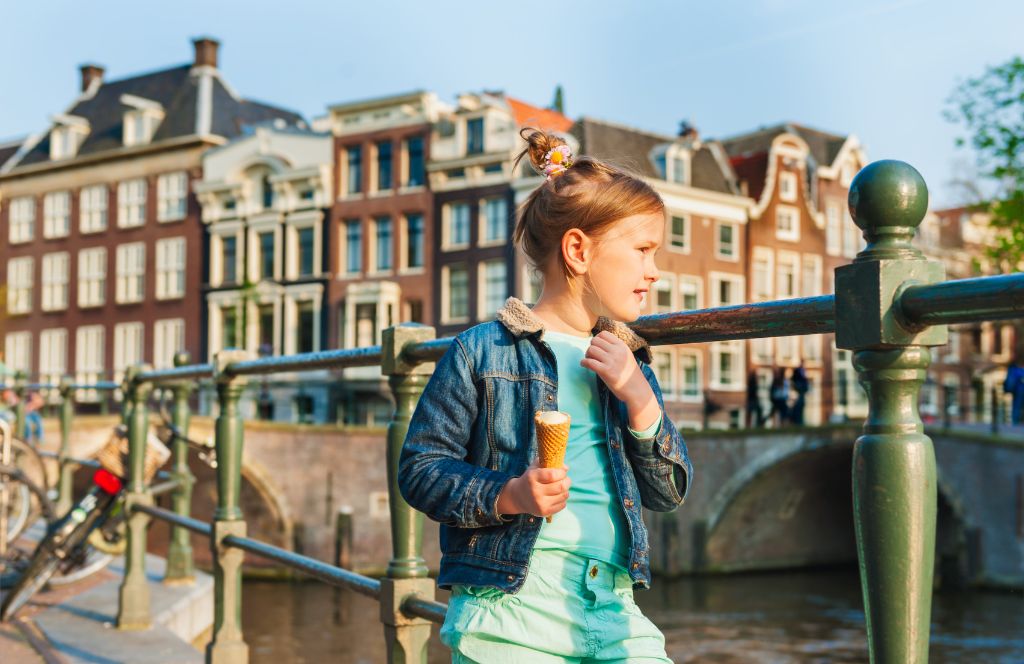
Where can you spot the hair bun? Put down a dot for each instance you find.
(538, 144)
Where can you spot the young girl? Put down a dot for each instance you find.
(525, 590)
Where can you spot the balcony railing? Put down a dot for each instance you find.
(890, 305)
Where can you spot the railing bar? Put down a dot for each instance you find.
(90, 463)
(327, 359)
(334, 576)
(425, 608)
(165, 487)
(177, 374)
(965, 300)
(185, 522)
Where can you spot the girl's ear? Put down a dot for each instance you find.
(577, 250)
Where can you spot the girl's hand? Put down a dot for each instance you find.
(538, 491)
(610, 358)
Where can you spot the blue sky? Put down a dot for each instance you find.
(881, 69)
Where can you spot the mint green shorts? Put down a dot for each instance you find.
(570, 609)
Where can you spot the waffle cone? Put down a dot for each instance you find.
(552, 439)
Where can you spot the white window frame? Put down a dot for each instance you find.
(131, 271)
(734, 255)
(681, 394)
(667, 383)
(736, 382)
(687, 233)
(129, 347)
(168, 339)
(131, 203)
(89, 359)
(446, 316)
(56, 268)
(833, 228)
(92, 277)
(57, 214)
(92, 209)
(171, 257)
(292, 259)
(484, 222)
(140, 125)
(851, 236)
(787, 186)
(811, 270)
(666, 283)
(18, 351)
(448, 219)
(738, 282)
(761, 350)
(762, 290)
(66, 139)
(785, 259)
(485, 313)
(344, 248)
(22, 219)
(20, 281)
(697, 282)
(811, 350)
(172, 196)
(53, 355)
(791, 234)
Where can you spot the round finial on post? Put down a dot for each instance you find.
(182, 358)
(888, 200)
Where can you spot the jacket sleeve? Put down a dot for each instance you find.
(433, 474)
(660, 462)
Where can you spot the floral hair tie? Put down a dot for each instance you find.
(557, 160)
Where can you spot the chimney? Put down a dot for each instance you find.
(206, 51)
(90, 73)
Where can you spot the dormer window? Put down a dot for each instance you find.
(672, 163)
(475, 136)
(67, 136)
(141, 120)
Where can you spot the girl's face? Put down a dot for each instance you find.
(619, 278)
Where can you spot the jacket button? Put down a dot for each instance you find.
(628, 502)
(510, 578)
(533, 519)
(636, 565)
(551, 397)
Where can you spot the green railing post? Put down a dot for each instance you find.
(407, 574)
(894, 481)
(133, 611)
(179, 552)
(67, 471)
(227, 645)
(20, 385)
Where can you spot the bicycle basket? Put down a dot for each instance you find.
(114, 454)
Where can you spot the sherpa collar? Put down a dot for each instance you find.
(520, 320)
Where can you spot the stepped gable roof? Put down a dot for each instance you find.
(824, 146)
(631, 148)
(177, 90)
(528, 115)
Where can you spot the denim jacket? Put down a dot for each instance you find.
(473, 430)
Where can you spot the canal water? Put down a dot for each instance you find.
(781, 618)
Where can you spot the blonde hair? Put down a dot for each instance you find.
(591, 195)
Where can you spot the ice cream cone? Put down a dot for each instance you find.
(552, 438)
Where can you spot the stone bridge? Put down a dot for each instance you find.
(761, 499)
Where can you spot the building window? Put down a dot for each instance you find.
(761, 273)
(811, 284)
(458, 225)
(679, 235)
(727, 365)
(689, 376)
(171, 192)
(92, 277)
(53, 355)
(354, 183)
(383, 253)
(494, 287)
(131, 269)
(168, 340)
(414, 240)
(787, 223)
(787, 187)
(56, 214)
(89, 360)
(55, 281)
(475, 136)
(663, 291)
(131, 203)
(812, 348)
(170, 268)
(229, 327)
(65, 141)
(20, 279)
(833, 234)
(229, 256)
(679, 169)
(22, 219)
(353, 246)
(140, 125)
(127, 347)
(306, 340)
(787, 276)
(852, 238)
(92, 213)
(457, 292)
(689, 293)
(761, 350)
(266, 242)
(726, 289)
(725, 240)
(661, 364)
(18, 351)
(496, 222)
(416, 175)
(307, 248)
(383, 165)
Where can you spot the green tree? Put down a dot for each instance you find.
(991, 109)
(558, 104)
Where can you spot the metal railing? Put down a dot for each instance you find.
(890, 305)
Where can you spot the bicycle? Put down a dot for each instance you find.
(24, 496)
(66, 543)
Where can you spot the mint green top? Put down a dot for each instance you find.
(592, 523)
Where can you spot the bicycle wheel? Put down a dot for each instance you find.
(94, 562)
(25, 501)
(35, 576)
